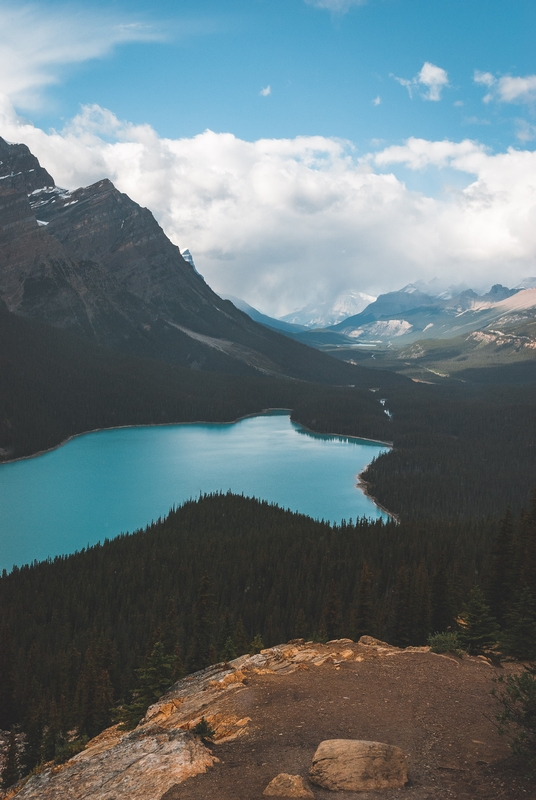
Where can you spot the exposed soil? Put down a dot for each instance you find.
(438, 709)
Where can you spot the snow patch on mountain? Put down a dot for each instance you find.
(322, 314)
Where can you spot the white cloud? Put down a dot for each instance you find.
(483, 78)
(377, 101)
(281, 222)
(525, 131)
(507, 89)
(38, 41)
(434, 78)
(266, 91)
(337, 6)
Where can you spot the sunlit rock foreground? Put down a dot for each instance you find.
(271, 711)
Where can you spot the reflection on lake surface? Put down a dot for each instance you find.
(101, 484)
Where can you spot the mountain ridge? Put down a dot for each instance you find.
(95, 262)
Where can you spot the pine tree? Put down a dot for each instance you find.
(500, 581)
(364, 617)
(527, 550)
(401, 612)
(201, 652)
(479, 631)
(518, 638)
(8, 713)
(442, 617)
(332, 614)
(154, 678)
(256, 645)
(11, 772)
(240, 638)
(94, 691)
(420, 606)
(228, 651)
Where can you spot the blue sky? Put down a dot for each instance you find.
(299, 148)
(325, 69)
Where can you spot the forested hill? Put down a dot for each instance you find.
(199, 586)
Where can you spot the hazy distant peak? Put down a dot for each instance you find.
(527, 283)
(329, 312)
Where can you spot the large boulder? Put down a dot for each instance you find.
(357, 766)
(285, 785)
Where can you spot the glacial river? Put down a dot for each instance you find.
(107, 482)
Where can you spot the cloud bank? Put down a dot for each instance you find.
(283, 222)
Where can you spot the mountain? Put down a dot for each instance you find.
(410, 315)
(321, 315)
(264, 319)
(95, 262)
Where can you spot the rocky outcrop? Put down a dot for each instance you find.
(285, 785)
(162, 752)
(271, 711)
(141, 765)
(357, 766)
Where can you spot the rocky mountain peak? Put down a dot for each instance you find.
(20, 169)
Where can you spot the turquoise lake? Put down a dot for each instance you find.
(107, 482)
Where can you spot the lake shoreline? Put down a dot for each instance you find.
(361, 484)
(264, 412)
(364, 486)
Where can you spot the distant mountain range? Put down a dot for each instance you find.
(324, 314)
(94, 262)
(410, 315)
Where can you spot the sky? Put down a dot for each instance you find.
(299, 148)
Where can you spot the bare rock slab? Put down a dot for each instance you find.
(285, 785)
(358, 766)
(143, 765)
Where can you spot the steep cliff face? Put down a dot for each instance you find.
(96, 262)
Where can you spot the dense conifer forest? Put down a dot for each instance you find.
(109, 627)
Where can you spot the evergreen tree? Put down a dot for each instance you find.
(201, 652)
(364, 616)
(94, 692)
(332, 621)
(11, 773)
(479, 631)
(256, 645)
(442, 617)
(500, 581)
(420, 606)
(8, 713)
(518, 638)
(401, 611)
(301, 628)
(240, 639)
(228, 651)
(154, 679)
(527, 549)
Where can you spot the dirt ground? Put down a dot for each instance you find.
(437, 709)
